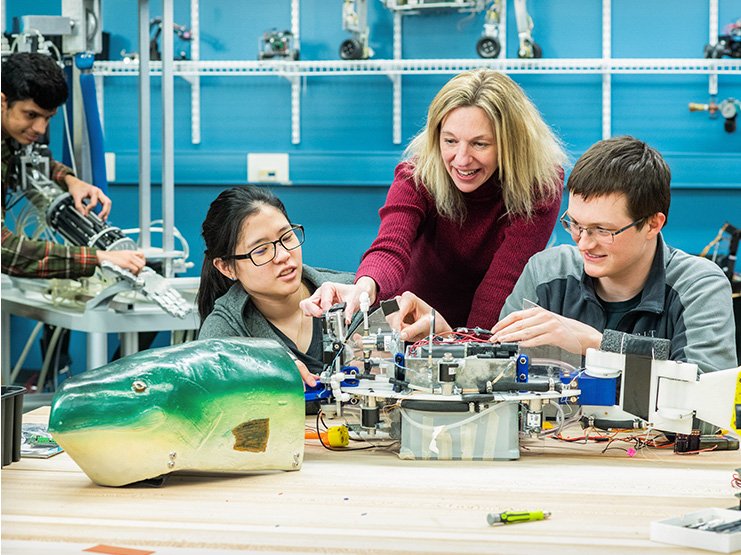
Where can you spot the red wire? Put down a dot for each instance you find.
(445, 339)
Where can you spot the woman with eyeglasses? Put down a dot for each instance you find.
(253, 278)
(478, 194)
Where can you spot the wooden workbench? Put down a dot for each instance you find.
(371, 502)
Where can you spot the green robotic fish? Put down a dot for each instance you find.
(216, 405)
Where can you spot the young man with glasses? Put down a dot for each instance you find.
(620, 275)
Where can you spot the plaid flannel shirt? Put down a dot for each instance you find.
(26, 257)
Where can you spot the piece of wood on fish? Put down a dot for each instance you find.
(252, 435)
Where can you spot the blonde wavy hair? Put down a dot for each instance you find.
(529, 153)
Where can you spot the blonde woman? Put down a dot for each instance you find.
(478, 194)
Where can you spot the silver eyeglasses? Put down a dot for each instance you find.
(265, 253)
(601, 235)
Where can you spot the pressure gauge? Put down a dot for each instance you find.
(728, 109)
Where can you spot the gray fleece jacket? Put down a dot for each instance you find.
(686, 299)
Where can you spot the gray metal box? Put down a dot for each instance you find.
(47, 25)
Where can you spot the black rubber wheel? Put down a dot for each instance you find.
(535, 51)
(488, 47)
(351, 49)
(295, 55)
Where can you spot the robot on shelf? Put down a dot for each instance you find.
(355, 21)
(57, 208)
(495, 394)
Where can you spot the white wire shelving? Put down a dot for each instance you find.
(294, 71)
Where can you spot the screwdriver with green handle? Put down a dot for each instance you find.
(510, 517)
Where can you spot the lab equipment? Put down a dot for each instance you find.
(277, 44)
(355, 21)
(728, 44)
(458, 397)
(490, 43)
(729, 108)
(57, 210)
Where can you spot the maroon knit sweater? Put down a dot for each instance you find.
(464, 271)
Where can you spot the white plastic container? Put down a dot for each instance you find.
(675, 531)
(492, 434)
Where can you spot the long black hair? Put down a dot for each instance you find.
(221, 230)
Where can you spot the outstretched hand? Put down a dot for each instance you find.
(414, 317)
(133, 261)
(330, 293)
(81, 191)
(537, 326)
(306, 375)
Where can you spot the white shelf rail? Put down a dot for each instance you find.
(712, 40)
(308, 68)
(606, 76)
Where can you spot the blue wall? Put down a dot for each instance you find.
(344, 163)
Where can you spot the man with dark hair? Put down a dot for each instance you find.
(33, 87)
(620, 275)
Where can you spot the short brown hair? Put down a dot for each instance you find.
(624, 165)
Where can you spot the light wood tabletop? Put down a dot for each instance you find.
(371, 502)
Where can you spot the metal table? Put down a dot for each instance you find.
(123, 318)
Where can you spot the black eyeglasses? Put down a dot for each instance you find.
(601, 235)
(265, 253)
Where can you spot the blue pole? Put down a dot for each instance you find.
(84, 62)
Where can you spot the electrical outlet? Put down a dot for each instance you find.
(263, 167)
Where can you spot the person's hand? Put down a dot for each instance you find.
(413, 318)
(81, 191)
(306, 375)
(537, 326)
(133, 261)
(330, 293)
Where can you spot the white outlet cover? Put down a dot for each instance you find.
(267, 167)
(110, 166)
